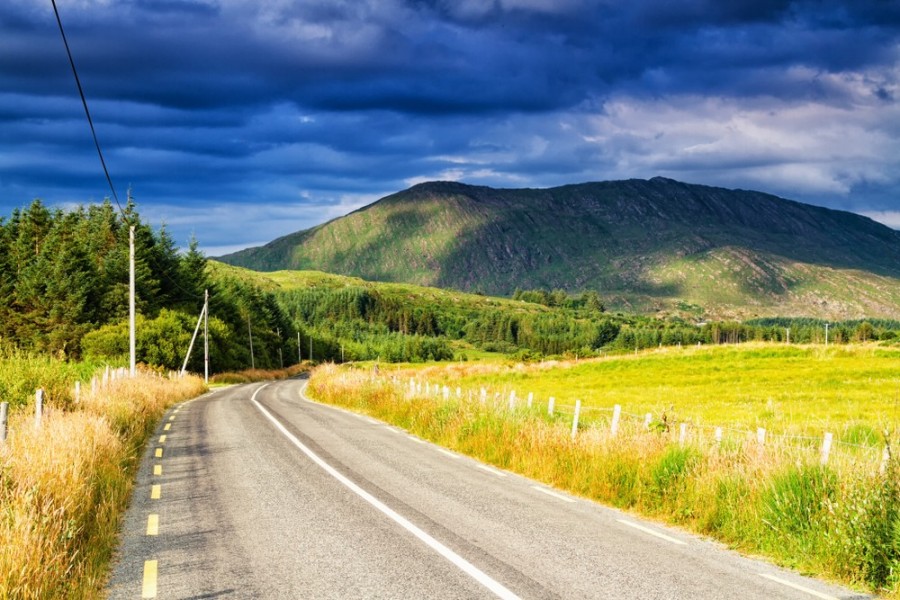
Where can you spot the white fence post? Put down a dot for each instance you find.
(718, 435)
(761, 436)
(483, 395)
(575, 419)
(4, 417)
(446, 393)
(77, 392)
(682, 435)
(550, 404)
(617, 413)
(512, 400)
(38, 407)
(530, 399)
(885, 459)
(826, 447)
(459, 392)
(648, 418)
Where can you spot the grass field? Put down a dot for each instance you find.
(853, 391)
(840, 520)
(64, 486)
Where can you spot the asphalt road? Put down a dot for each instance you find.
(256, 492)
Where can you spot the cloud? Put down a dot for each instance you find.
(244, 106)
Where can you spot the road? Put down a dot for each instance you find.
(255, 491)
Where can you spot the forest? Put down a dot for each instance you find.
(64, 292)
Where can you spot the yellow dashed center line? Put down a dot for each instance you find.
(149, 589)
(157, 469)
(153, 525)
(168, 426)
(162, 439)
(155, 492)
(159, 453)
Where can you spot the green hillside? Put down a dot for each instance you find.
(646, 246)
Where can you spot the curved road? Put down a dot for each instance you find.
(256, 492)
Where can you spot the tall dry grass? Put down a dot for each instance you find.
(840, 521)
(65, 485)
(254, 375)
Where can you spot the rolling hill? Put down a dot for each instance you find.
(649, 246)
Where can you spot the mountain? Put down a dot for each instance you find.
(653, 245)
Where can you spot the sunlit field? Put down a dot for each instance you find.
(834, 514)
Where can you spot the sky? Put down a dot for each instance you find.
(238, 121)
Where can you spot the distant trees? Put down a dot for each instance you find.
(64, 290)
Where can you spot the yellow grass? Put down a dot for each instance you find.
(64, 486)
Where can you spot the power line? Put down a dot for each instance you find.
(90, 120)
(87, 111)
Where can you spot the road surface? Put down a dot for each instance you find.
(255, 491)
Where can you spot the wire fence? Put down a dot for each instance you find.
(615, 421)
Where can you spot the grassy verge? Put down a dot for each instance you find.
(253, 375)
(64, 486)
(840, 521)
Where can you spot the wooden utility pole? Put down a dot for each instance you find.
(250, 332)
(206, 336)
(131, 329)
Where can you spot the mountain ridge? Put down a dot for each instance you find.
(646, 245)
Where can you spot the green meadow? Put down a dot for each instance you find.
(797, 390)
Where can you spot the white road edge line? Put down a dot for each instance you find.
(415, 439)
(798, 587)
(468, 568)
(552, 493)
(661, 536)
(491, 471)
(447, 452)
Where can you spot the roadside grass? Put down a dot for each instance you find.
(839, 521)
(253, 375)
(64, 486)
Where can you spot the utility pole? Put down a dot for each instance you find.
(826, 335)
(206, 336)
(310, 348)
(250, 332)
(788, 335)
(280, 358)
(131, 328)
(299, 351)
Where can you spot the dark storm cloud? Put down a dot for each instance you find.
(334, 103)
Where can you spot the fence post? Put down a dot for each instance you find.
(459, 392)
(648, 418)
(575, 418)
(512, 400)
(826, 447)
(682, 435)
(550, 405)
(446, 393)
(761, 436)
(483, 395)
(885, 459)
(77, 392)
(38, 407)
(718, 435)
(4, 416)
(530, 399)
(617, 413)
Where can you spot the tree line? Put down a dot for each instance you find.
(64, 291)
